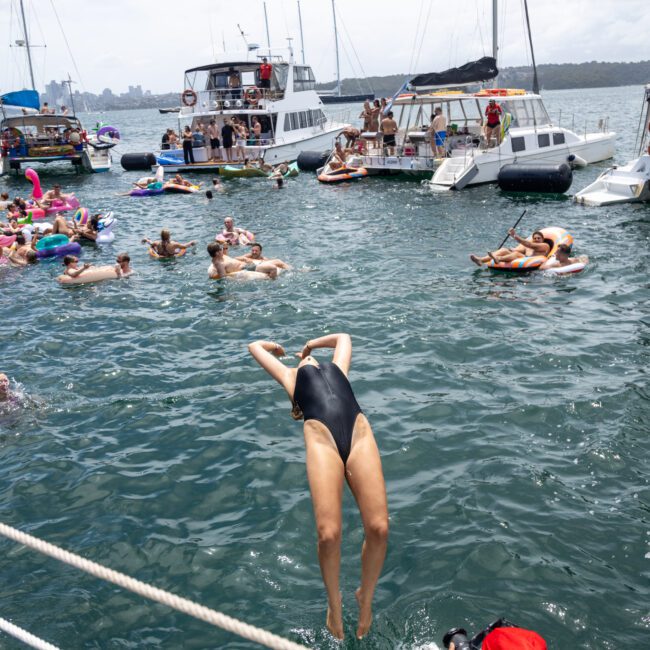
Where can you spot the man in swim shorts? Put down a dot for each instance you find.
(222, 266)
(255, 257)
(389, 129)
(438, 131)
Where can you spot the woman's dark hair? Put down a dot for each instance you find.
(280, 182)
(94, 221)
(296, 411)
(538, 232)
(68, 259)
(208, 194)
(20, 239)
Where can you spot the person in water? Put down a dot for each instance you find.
(5, 393)
(234, 235)
(255, 256)
(562, 258)
(340, 446)
(123, 267)
(537, 245)
(166, 247)
(72, 269)
(223, 265)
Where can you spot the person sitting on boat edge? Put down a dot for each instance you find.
(561, 258)
(537, 245)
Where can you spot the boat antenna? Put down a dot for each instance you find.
(68, 82)
(532, 53)
(268, 38)
(336, 47)
(495, 37)
(302, 42)
(27, 46)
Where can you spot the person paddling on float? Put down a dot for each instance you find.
(537, 245)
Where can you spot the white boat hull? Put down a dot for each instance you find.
(627, 184)
(483, 166)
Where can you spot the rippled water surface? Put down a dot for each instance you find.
(511, 413)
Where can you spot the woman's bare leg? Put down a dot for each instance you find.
(325, 472)
(366, 480)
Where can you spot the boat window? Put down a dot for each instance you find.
(303, 78)
(543, 140)
(558, 138)
(280, 74)
(318, 116)
(287, 122)
(295, 124)
(247, 78)
(303, 119)
(310, 119)
(518, 144)
(527, 112)
(218, 81)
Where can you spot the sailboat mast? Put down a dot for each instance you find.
(268, 38)
(532, 52)
(336, 47)
(29, 53)
(495, 38)
(302, 41)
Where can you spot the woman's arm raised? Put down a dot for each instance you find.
(265, 353)
(342, 344)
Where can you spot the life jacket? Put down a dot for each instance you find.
(513, 638)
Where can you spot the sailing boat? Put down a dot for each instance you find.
(335, 96)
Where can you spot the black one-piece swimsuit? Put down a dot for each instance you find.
(324, 393)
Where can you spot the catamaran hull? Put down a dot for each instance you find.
(485, 167)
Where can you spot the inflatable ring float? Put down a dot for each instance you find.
(97, 274)
(189, 97)
(56, 246)
(343, 173)
(179, 253)
(553, 236)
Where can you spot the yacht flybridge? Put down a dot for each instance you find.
(289, 112)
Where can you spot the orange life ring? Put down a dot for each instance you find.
(189, 97)
(253, 94)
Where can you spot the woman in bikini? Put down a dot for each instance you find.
(166, 246)
(537, 245)
(340, 445)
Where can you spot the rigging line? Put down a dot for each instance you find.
(65, 38)
(424, 31)
(415, 40)
(345, 29)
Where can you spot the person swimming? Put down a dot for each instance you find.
(340, 445)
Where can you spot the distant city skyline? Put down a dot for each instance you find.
(125, 44)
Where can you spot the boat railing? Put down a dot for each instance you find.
(603, 123)
(223, 99)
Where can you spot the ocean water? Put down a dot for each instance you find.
(511, 413)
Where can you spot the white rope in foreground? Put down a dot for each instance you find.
(24, 636)
(153, 593)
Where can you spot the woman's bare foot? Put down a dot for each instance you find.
(334, 620)
(476, 260)
(365, 614)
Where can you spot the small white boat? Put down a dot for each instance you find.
(624, 183)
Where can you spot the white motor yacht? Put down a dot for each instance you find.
(628, 183)
(289, 112)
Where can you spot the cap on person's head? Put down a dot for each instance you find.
(264, 59)
(493, 101)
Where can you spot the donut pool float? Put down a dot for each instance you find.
(56, 246)
(553, 236)
(97, 274)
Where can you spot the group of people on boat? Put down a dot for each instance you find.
(222, 144)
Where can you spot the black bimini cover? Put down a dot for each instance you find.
(472, 72)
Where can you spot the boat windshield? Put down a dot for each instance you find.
(529, 112)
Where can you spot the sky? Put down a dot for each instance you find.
(140, 42)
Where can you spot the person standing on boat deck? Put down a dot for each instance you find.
(188, 154)
(365, 115)
(173, 139)
(164, 141)
(438, 133)
(198, 138)
(227, 132)
(389, 129)
(340, 446)
(215, 145)
(493, 112)
(234, 83)
(266, 70)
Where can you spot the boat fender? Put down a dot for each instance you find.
(576, 161)
(137, 161)
(310, 161)
(540, 177)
